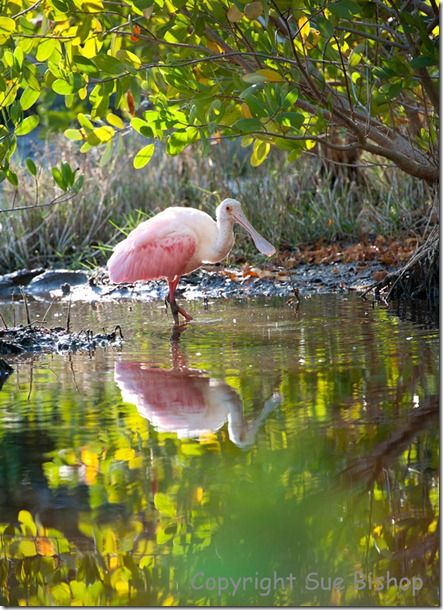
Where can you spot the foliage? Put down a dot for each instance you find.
(291, 205)
(342, 476)
(349, 74)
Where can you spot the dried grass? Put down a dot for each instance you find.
(290, 203)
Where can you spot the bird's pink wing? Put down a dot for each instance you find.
(150, 252)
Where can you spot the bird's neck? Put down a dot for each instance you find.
(224, 241)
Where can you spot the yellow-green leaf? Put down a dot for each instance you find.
(271, 75)
(45, 49)
(259, 152)
(73, 134)
(62, 87)
(27, 548)
(164, 505)
(105, 133)
(354, 58)
(27, 520)
(143, 156)
(27, 125)
(28, 98)
(129, 58)
(7, 27)
(114, 120)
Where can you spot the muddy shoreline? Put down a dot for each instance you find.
(211, 281)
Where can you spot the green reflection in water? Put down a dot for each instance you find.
(263, 445)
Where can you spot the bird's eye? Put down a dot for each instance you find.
(228, 208)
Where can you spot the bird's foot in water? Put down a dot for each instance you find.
(176, 309)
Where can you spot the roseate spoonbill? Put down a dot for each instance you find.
(178, 241)
(187, 402)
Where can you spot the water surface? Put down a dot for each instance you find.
(264, 456)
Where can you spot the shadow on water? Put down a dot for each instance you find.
(265, 456)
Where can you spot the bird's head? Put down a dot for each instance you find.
(230, 210)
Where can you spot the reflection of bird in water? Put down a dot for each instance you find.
(186, 401)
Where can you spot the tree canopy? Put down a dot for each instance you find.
(350, 74)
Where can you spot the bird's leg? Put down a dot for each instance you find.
(175, 308)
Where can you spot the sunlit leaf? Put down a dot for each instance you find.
(164, 504)
(259, 153)
(27, 548)
(304, 26)
(28, 98)
(115, 120)
(73, 134)
(143, 156)
(7, 28)
(46, 48)
(27, 125)
(62, 87)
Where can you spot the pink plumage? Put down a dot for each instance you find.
(151, 251)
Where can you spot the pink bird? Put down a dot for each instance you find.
(178, 241)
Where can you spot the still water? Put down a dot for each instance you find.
(265, 456)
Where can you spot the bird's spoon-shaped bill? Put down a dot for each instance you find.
(261, 243)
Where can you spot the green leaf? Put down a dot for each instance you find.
(73, 134)
(129, 58)
(423, 61)
(32, 168)
(109, 64)
(56, 173)
(354, 59)
(344, 8)
(142, 127)
(107, 155)
(78, 184)
(12, 177)
(291, 97)
(28, 98)
(7, 27)
(84, 64)
(27, 125)
(165, 505)
(60, 5)
(45, 49)
(248, 125)
(67, 174)
(254, 78)
(291, 119)
(143, 156)
(62, 87)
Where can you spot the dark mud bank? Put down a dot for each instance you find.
(208, 282)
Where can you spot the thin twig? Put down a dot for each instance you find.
(26, 10)
(59, 199)
(68, 318)
(4, 321)
(25, 300)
